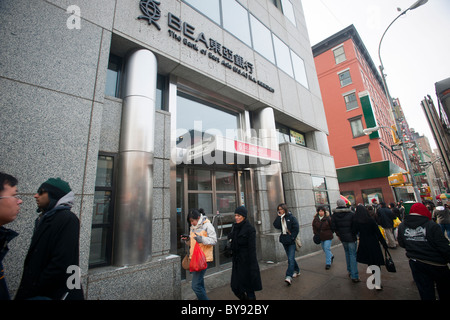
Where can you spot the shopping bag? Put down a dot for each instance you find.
(382, 232)
(198, 260)
(186, 262)
(397, 222)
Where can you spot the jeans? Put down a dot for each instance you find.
(326, 247)
(445, 228)
(292, 264)
(198, 284)
(426, 275)
(350, 257)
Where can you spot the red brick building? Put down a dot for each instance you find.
(354, 99)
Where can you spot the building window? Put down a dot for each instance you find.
(370, 194)
(339, 54)
(286, 134)
(209, 8)
(235, 20)
(344, 78)
(350, 101)
(262, 39)
(362, 153)
(320, 192)
(161, 86)
(113, 76)
(288, 11)
(299, 69)
(282, 53)
(103, 213)
(357, 127)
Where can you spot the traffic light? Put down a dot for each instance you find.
(395, 135)
(396, 179)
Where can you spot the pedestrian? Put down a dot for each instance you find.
(245, 274)
(54, 246)
(386, 221)
(288, 224)
(322, 226)
(342, 225)
(375, 204)
(371, 212)
(441, 215)
(402, 209)
(428, 251)
(9, 209)
(203, 233)
(370, 238)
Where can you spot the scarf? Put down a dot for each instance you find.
(284, 228)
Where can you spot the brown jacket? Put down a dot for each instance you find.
(323, 227)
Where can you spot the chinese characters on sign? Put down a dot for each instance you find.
(184, 32)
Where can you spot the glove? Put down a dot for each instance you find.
(199, 239)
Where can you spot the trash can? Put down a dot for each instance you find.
(408, 205)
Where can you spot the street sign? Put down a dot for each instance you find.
(410, 144)
(396, 147)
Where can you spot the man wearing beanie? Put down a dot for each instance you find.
(428, 251)
(54, 246)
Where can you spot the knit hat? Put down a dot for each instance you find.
(56, 188)
(340, 203)
(420, 209)
(374, 200)
(242, 211)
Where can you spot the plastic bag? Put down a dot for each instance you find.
(198, 260)
(397, 222)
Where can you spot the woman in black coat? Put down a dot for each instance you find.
(370, 237)
(245, 275)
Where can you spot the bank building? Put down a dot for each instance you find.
(151, 108)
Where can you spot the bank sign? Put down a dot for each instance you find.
(186, 34)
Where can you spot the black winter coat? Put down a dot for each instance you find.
(385, 217)
(342, 224)
(370, 237)
(54, 247)
(245, 275)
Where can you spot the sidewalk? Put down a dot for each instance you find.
(316, 283)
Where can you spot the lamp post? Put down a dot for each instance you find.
(391, 104)
(405, 155)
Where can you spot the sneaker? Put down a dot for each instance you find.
(296, 274)
(327, 267)
(356, 280)
(288, 280)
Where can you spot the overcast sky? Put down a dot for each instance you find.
(415, 50)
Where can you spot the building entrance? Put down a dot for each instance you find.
(218, 193)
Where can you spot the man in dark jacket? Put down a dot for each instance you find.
(386, 221)
(428, 251)
(342, 225)
(54, 247)
(9, 209)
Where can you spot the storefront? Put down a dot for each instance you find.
(168, 106)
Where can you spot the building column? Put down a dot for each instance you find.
(133, 219)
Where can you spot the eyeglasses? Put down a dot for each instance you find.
(17, 197)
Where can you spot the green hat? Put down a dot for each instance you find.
(56, 188)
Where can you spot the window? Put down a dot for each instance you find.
(288, 11)
(195, 117)
(344, 78)
(282, 53)
(320, 192)
(299, 69)
(339, 54)
(286, 134)
(235, 20)
(370, 194)
(160, 91)
(209, 8)
(262, 39)
(357, 127)
(103, 213)
(350, 101)
(362, 153)
(113, 75)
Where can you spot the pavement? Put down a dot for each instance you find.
(316, 283)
